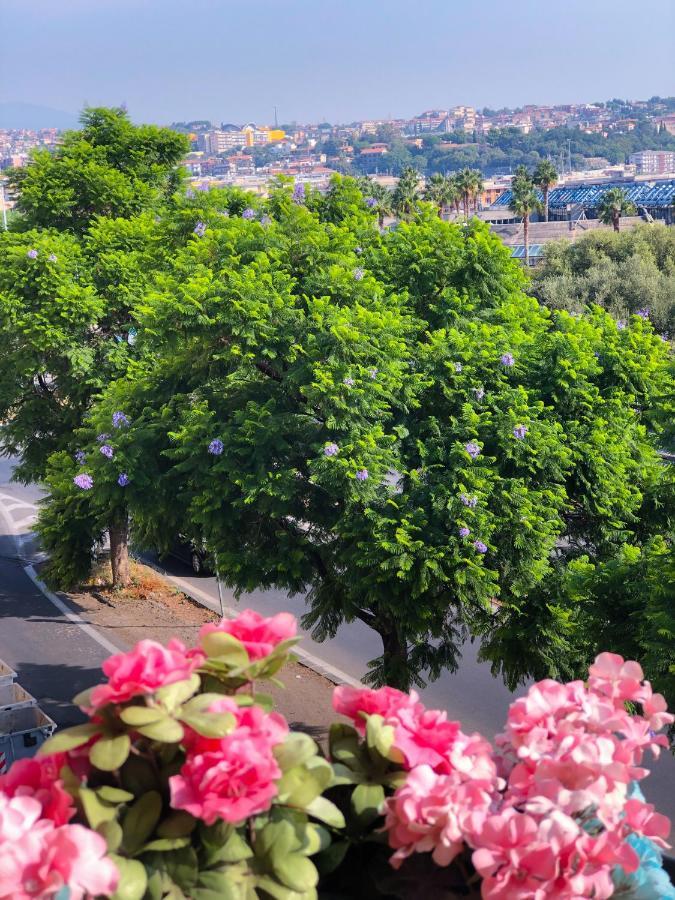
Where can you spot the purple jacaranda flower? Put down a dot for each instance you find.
(643, 313)
(506, 359)
(464, 531)
(84, 481)
(199, 229)
(189, 193)
(358, 250)
(119, 420)
(520, 431)
(358, 274)
(202, 187)
(479, 393)
(362, 474)
(52, 257)
(107, 450)
(480, 546)
(32, 254)
(349, 382)
(265, 220)
(371, 202)
(331, 450)
(80, 457)
(664, 336)
(248, 213)
(372, 373)
(472, 449)
(299, 193)
(123, 479)
(468, 501)
(102, 438)
(216, 447)
(621, 324)
(458, 367)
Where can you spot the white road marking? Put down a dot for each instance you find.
(73, 617)
(28, 520)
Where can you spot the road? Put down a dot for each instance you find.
(55, 659)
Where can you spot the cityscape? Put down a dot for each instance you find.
(337, 451)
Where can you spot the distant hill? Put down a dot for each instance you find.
(28, 115)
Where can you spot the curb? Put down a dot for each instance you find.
(309, 660)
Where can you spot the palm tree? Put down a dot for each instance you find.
(545, 176)
(477, 188)
(613, 204)
(373, 190)
(456, 198)
(406, 193)
(524, 201)
(465, 182)
(439, 190)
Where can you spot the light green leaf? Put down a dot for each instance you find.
(69, 738)
(167, 731)
(110, 753)
(133, 879)
(325, 811)
(141, 715)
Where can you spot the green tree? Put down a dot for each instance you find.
(383, 197)
(78, 261)
(440, 190)
(613, 204)
(545, 176)
(406, 193)
(401, 435)
(524, 202)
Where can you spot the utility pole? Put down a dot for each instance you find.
(276, 121)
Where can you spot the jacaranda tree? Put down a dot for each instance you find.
(84, 244)
(385, 423)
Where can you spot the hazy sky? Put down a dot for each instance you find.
(234, 60)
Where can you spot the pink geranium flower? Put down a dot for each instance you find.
(234, 777)
(37, 858)
(619, 680)
(143, 670)
(258, 634)
(39, 778)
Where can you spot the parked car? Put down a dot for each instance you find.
(193, 553)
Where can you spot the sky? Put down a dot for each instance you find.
(330, 60)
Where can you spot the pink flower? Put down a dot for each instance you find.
(359, 703)
(234, 777)
(617, 679)
(654, 707)
(39, 778)
(258, 634)
(641, 818)
(144, 669)
(432, 812)
(37, 858)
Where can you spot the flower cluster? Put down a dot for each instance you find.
(507, 360)
(107, 451)
(358, 274)
(32, 254)
(479, 393)
(519, 432)
(83, 481)
(472, 449)
(123, 479)
(216, 447)
(471, 502)
(119, 419)
(552, 812)
(234, 777)
(331, 450)
(248, 213)
(371, 202)
(452, 777)
(200, 229)
(258, 635)
(299, 193)
(39, 857)
(362, 474)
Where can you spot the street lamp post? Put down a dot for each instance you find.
(2, 201)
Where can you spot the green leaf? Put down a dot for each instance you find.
(113, 794)
(112, 833)
(140, 820)
(110, 753)
(96, 810)
(234, 850)
(83, 699)
(210, 725)
(328, 860)
(162, 845)
(295, 750)
(174, 694)
(181, 866)
(366, 801)
(226, 648)
(133, 879)
(166, 731)
(325, 811)
(300, 785)
(178, 824)
(141, 715)
(69, 738)
(296, 872)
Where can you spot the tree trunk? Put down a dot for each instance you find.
(466, 205)
(526, 238)
(395, 658)
(118, 529)
(616, 218)
(545, 204)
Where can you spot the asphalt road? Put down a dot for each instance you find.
(55, 659)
